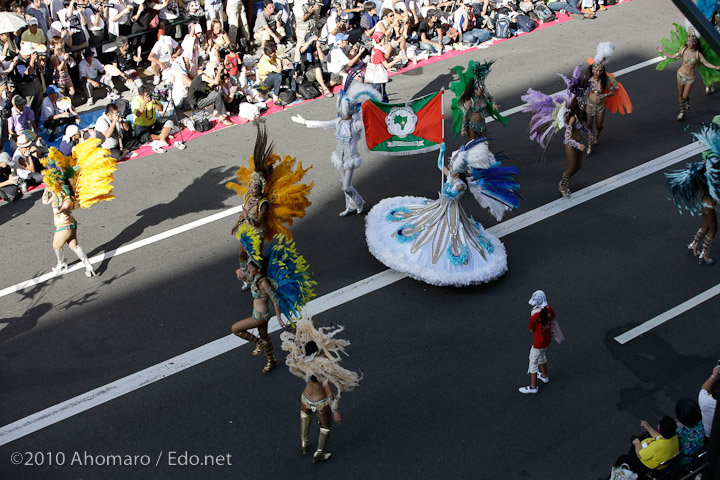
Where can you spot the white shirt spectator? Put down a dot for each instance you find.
(191, 53)
(102, 124)
(164, 48)
(48, 109)
(707, 408)
(337, 60)
(91, 70)
(395, 7)
(117, 7)
(21, 172)
(179, 89)
(90, 16)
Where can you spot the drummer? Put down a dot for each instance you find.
(57, 112)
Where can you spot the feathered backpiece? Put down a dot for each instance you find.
(324, 365)
(549, 112)
(576, 83)
(251, 242)
(86, 176)
(493, 186)
(288, 197)
(290, 274)
(475, 72)
(677, 41)
(689, 186)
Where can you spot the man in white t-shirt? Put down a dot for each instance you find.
(161, 56)
(92, 74)
(338, 62)
(707, 399)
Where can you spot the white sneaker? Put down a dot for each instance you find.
(245, 286)
(543, 379)
(528, 389)
(156, 80)
(91, 101)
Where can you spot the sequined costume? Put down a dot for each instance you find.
(470, 109)
(435, 241)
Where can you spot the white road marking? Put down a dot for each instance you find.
(669, 315)
(198, 223)
(86, 401)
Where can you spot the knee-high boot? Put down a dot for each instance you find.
(705, 254)
(320, 455)
(61, 263)
(695, 244)
(89, 272)
(683, 107)
(564, 187)
(304, 430)
(252, 338)
(350, 205)
(271, 360)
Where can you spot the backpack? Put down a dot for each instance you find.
(524, 23)
(201, 120)
(287, 96)
(502, 27)
(543, 13)
(308, 90)
(123, 108)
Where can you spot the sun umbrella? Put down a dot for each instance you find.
(11, 22)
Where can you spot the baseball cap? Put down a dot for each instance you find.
(339, 37)
(32, 21)
(432, 13)
(69, 132)
(19, 100)
(52, 89)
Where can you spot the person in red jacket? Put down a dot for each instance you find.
(541, 318)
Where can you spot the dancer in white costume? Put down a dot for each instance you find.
(435, 241)
(348, 131)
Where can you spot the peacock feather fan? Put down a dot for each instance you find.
(687, 187)
(289, 272)
(251, 242)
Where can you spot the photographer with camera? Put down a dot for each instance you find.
(52, 117)
(26, 76)
(74, 19)
(205, 91)
(95, 15)
(119, 14)
(147, 127)
(339, 63)
(311, 58)
(169, 11)
(307, 13)
(268, 25)
(115, 133)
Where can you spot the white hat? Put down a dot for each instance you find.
(23, 140)
(26, 48)
(139, 2)
(32, 21)
(69, 132)
(210, 68)
(538, 299)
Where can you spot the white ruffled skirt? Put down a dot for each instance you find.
(433, 241)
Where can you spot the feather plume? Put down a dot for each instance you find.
(290, 274)
(604, 51)
(672, 45)
(495, 188)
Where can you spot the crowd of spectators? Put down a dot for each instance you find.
(211, 55)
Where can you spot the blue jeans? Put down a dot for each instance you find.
(569, 5)
(432, 48)
(274, 81)
(476, 36)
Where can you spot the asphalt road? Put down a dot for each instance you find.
(442, 365)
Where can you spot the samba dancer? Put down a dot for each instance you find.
(473, 103)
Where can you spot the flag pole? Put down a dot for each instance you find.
(441, 155)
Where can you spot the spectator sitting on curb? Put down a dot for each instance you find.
(311, 60)
(52, 117)
(147, 127)
(431, 35)
(205, 91)
(69, 140)
(92, 74)
(125, 63)
(165, 50)
(338, 61)
(21, 118)
(9, 188)
(115, 133)
(268, 26)
(707, 399)
(26, 163)
(653, 448)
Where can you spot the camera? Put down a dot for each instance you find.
(160, 93)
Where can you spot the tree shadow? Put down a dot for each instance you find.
(207, 192)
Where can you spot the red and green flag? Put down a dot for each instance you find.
(404, 128)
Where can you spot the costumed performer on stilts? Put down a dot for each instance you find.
(283, 280)
(473, 103)
(348, 132)
(436, 241)
(271, 192)
(696, 188)
(686, 45)
(561, 111)
(314, 354)
(81, 180)
(603, 93)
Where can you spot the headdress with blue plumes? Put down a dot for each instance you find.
(251, 243)
(688, 187)
(353, 94)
